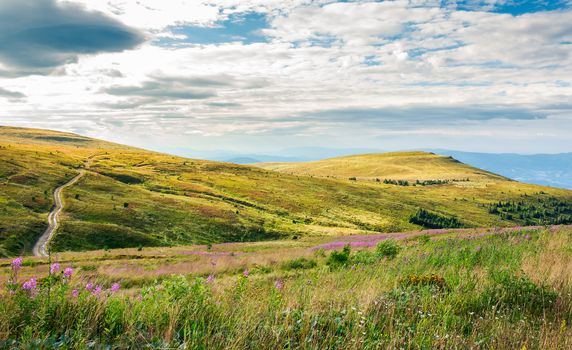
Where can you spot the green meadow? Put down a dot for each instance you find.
(406, 250)
(487, 289)
(131, 197)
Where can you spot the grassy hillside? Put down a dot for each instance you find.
(410, 166)
(472, 289)
(131, 197)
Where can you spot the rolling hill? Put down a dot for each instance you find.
(409, 166)
(131, 197)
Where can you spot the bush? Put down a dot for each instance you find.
(387, 249)
(299, 264)
(432, 280)
(339, 258)
(365, 257)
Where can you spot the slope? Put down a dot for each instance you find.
(130, 197)
(408, 166)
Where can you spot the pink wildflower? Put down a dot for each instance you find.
(75, 293)
(16, 264)
(245, 273)
(30, 285)
(210, 279)
(68, 272)
(89, 286)
(54, 268)
(115, 287)
(279, 284)
(97, 290)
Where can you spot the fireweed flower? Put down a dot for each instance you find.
(16, 264)
(279, 284)
(246, 273)
(54, 268)
(30, 285)
(115, 287)
(75, 293)
(210, 279)
(97, 290)
(89, 286)
(68, 272)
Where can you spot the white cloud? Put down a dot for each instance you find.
(319, 57)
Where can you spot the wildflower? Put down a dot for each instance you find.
(30, 285)
(68, 272)
(210, 279)
(279, 284)
(75, 293)
(115, 287)
(245, 273)
(527, 237)
(89, 286)
(16, 264)
(97, 290)
(478, 248)
(54, 268)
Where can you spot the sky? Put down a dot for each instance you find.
(265, 75)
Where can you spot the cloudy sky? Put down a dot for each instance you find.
(261, 75)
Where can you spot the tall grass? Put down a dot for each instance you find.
(462, 293)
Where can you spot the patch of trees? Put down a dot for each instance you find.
(419, 182)
(396, 182)
(531, 210)
(428, 219)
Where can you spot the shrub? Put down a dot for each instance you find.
(432, 280)
(339, 258)
(299, 264)
(387, 249)
(365, 257)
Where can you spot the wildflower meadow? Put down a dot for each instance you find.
(501, 290)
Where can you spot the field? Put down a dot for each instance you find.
(135, 198)
(442, 289)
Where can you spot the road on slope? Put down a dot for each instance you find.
(40, 248)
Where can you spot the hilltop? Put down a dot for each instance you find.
(410, 166)
(131, 197)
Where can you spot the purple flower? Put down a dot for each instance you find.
(527, 237)
(97, 290)
(210, 279)
(279, 284)
(68, 272)
(89, 286)
(54, 268)
(75, 293)
(478, 248)
(16, 264)
(30, 285)
(115, 287)
(245, 273)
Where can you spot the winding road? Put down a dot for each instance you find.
(40, 248)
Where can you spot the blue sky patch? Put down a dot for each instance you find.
(243, 27)
(515, 7)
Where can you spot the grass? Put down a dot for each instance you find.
(131, 197)
(476, 289)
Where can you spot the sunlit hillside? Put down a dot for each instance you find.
(410, 166)
(131, 197)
